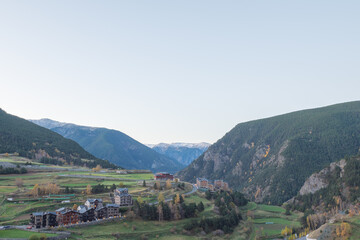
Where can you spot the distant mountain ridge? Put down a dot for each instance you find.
(270, 159)
(184, 153)
(35, 142)
(113, 145)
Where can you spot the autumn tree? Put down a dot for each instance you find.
(88, 189)
(177, 199)
(121, 184)
(168, 184)
(75, 206)
(160, 211)
(161, 198)
(139, 199)
(19, 182)
(158, 185)
(97, 168)
(35, 190)
(286, 232)
(344, 230)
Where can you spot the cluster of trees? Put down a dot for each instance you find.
(289, 233)
(225, 202)
(343, 230)
(352, 177)
(225, 223)
(100, 188)
(12, 170)
(45, 189)
(173, 210)
(69, 190)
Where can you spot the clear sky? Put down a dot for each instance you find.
(172, 71)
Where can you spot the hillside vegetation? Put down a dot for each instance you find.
(114, 146)
(269, 159)
(35, 142)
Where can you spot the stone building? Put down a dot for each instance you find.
(122, 197)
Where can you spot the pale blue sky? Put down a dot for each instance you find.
(170, 71)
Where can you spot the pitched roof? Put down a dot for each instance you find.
(112, 205)
(38, 213)
(92, 200)
(60, 209)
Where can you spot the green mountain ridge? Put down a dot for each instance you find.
(35, 142)
(114, 146)
(270, 159)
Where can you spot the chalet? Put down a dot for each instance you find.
(49, 219)
(122, 197)
(101, 212)
(36, 219)
(66, 216)
(221, 185)
(86, 214)
(94, 203)
(112, 210)
(206, 184)
(163, 176)
(202, 183)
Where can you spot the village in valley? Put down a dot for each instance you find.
(94, 209)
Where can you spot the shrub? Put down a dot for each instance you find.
(34, 237)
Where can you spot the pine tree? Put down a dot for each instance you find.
(200, 207)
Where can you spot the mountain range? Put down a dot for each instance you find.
(270, 159)
(184, 153)
(29, 140)
(114, 146)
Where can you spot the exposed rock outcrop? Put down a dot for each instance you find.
(318, 180)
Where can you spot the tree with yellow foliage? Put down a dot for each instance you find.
(168, 184)
(35, 190)
(75, 207)
(97, 168)
(88, 189)
(286, 232)
(177, 199)
(139, 200)
(345, 229)
(161, 198)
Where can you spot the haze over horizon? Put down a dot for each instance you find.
(184, 71)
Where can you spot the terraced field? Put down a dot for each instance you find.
(267, 221)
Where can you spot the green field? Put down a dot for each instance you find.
(355, 228)
(16, 233)
(267, 221)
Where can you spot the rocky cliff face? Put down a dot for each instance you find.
(319, 180)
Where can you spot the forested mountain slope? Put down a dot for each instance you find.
(270, 159)
(35, 142)
(113, 145)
